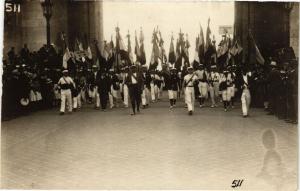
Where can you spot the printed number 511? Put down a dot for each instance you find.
(237, 183)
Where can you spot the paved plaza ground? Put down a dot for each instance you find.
(157, 149)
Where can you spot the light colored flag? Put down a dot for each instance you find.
(236, 49)
(66, 57)
(89, 53)
(258, 55)
(196, 58)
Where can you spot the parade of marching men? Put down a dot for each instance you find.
(218, 77)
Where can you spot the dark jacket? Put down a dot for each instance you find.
(139, 77)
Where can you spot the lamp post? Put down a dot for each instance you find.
(47, 12)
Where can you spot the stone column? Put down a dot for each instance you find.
(294, 29)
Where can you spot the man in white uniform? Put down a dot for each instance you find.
(188, 84)
(125, 89)
(246, 96)
(214, 78)
(65, 83)
(203, 86)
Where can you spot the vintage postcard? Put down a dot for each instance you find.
(149, 94)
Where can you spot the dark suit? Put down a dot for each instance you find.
(135, 89)
(103, 83)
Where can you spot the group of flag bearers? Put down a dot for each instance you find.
(111, 78)
(139, 86)
(211, 76)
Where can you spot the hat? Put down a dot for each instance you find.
(24, 101)
(273, 63)
(48, 81)
(213, 66)
(225, 71)
(65, 71)
(173, 69)
(133, 66)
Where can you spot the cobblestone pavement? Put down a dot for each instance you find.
(157, 149)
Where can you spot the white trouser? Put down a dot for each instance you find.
(226, 95)
(82, 94)
(96, 97)
(152, 87)
(145, 96)
(190, 98)
(157, 91)
(111, 100)
(111, 96)
(66, 95)
(77, 101)
(203, 89)
(212, 94)
(125, 93)
(246, 99)
(172, 94)
(231, 90)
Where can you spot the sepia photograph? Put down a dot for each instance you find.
(149, 95)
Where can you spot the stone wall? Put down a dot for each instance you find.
(294, 29)
(269, 25)
(71, 17)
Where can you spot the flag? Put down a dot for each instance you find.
(186, 51)
(258, 56)
(129, 50)
(223, 46)
(66, 57)
(121, 52)
(89, 52)
(162, 52)
(137, 49)
(142, 49)
(196, 58)
(236, 49)
(100, 60)
(172, 56)
(155, 51)
(208, 40)
(79, 45)
(201, 46)
(106, 50)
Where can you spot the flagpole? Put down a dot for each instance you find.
(117, 51)
(248, 33)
